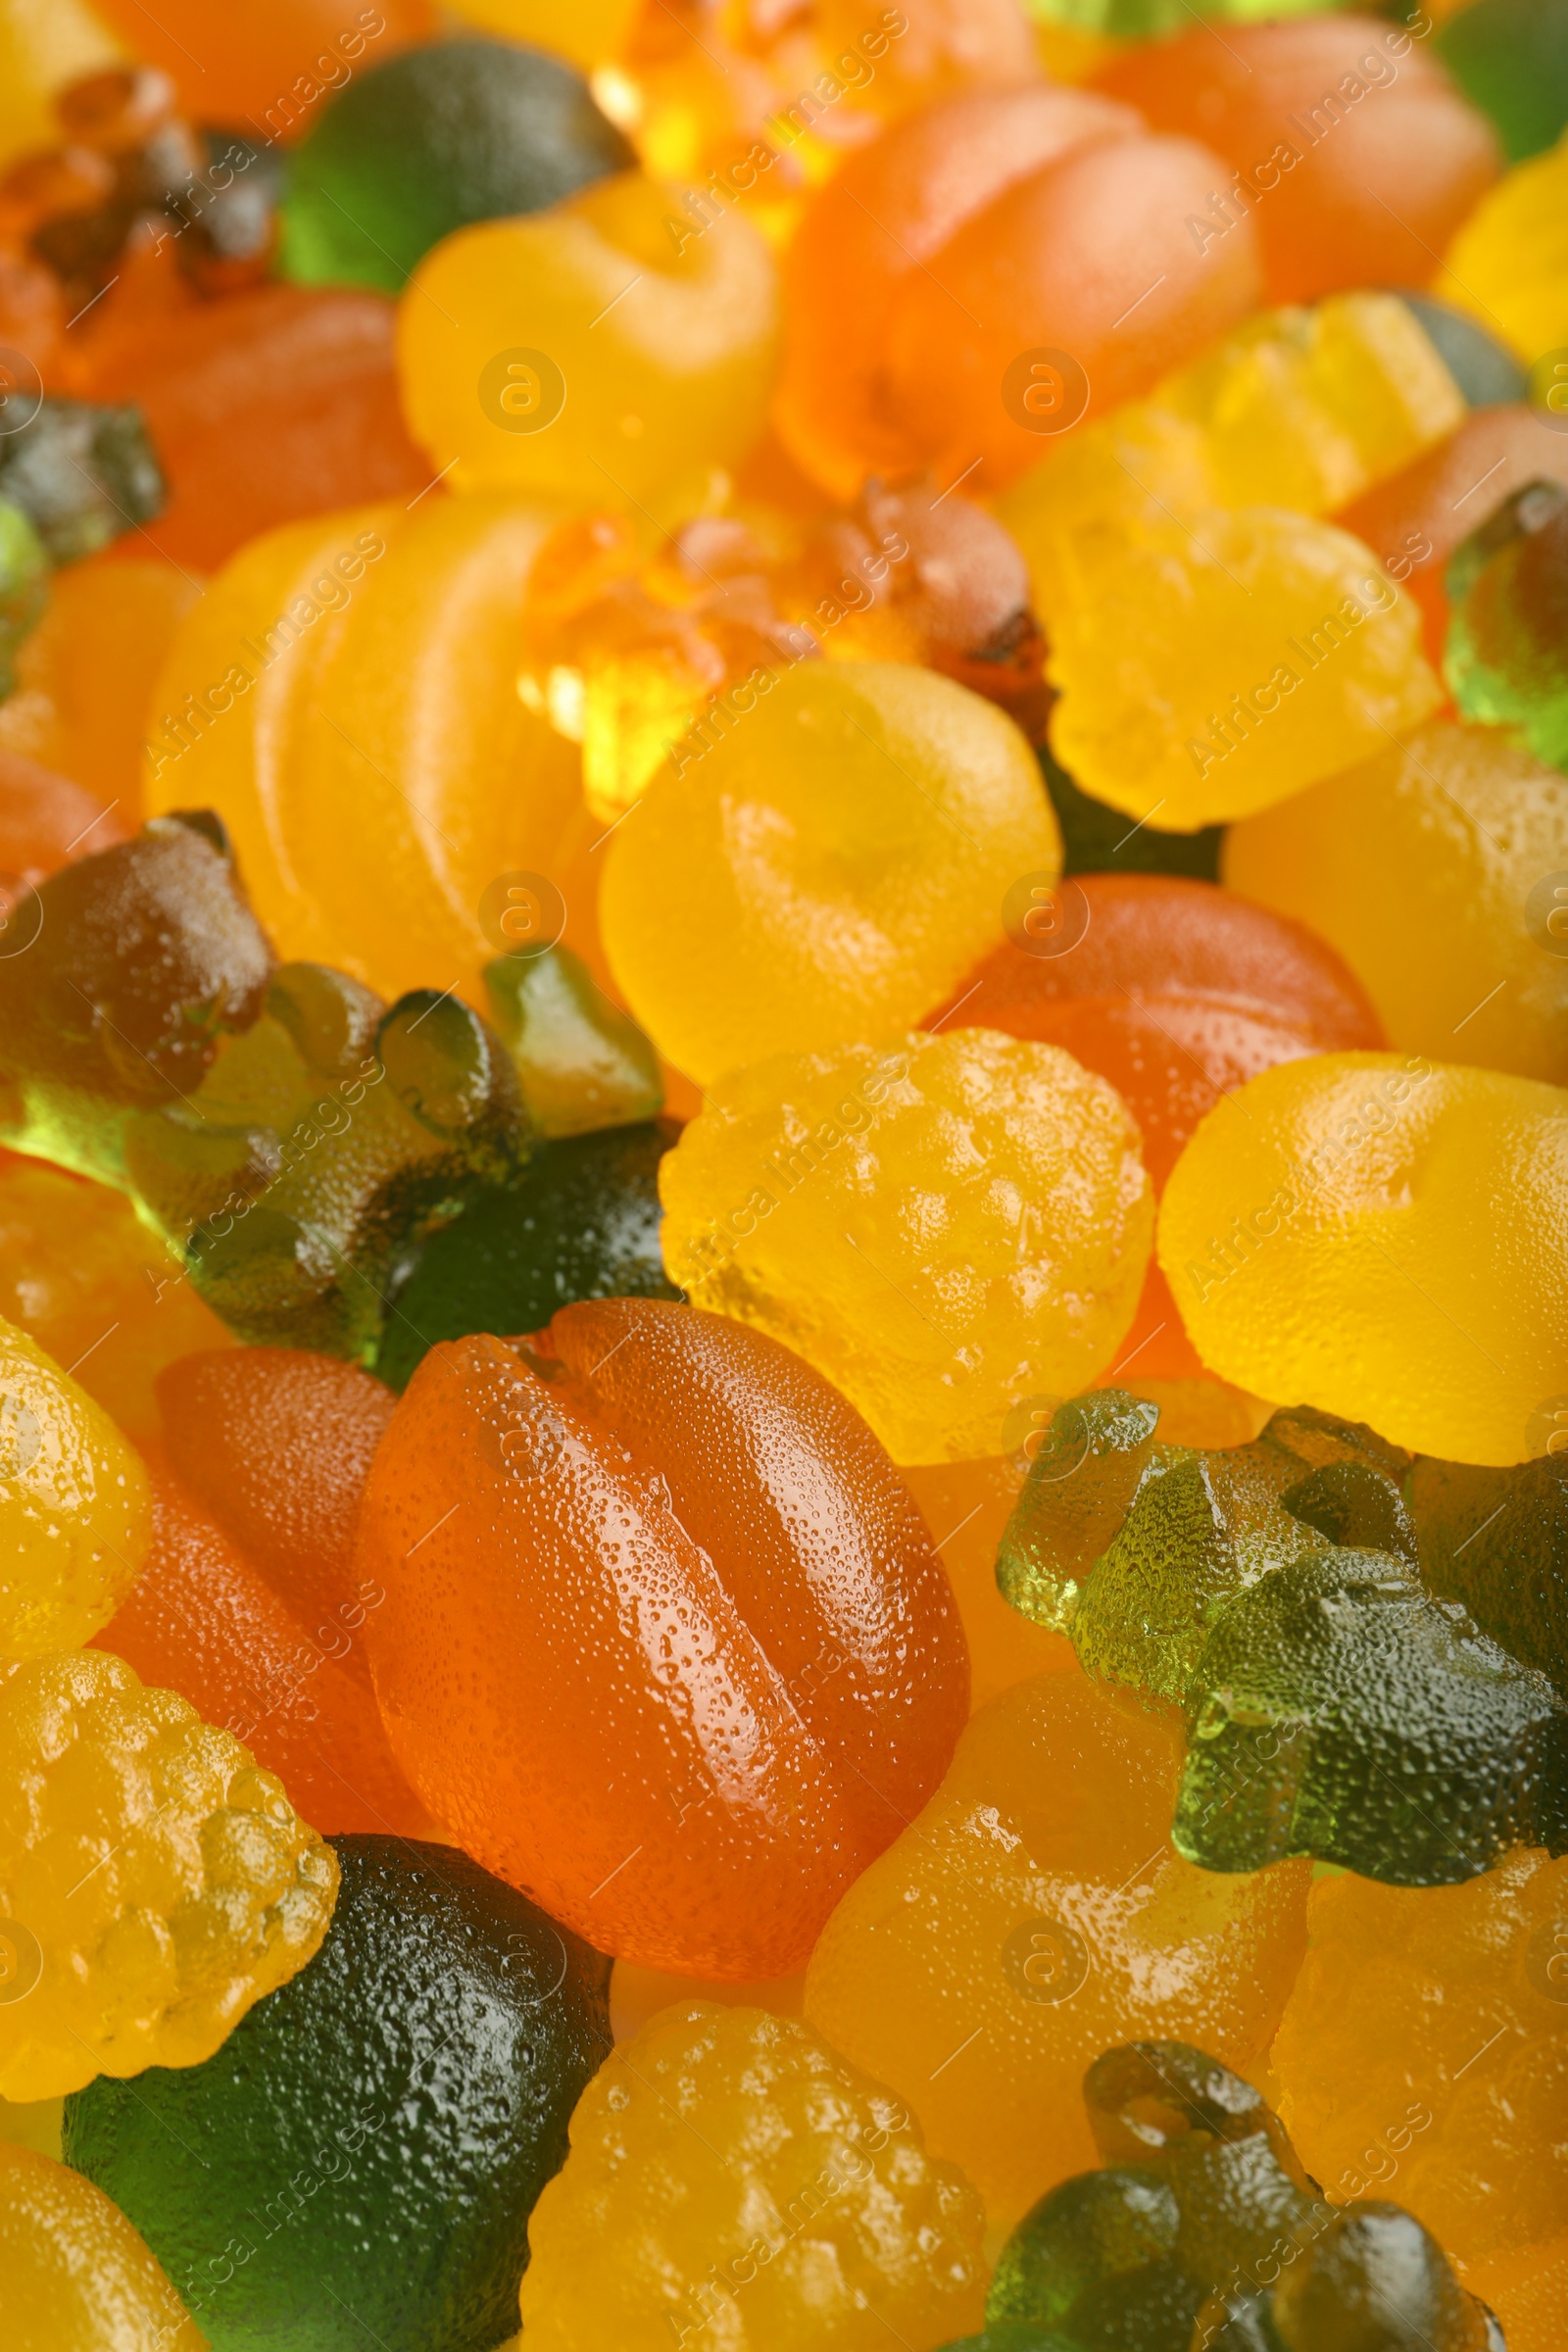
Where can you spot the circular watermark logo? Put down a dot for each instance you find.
(1044, 390)
(522, 914)
(1546, 1960)
(20, 391)
(1549, 389)
(20, 914)
(1045, 1961)
(1546, 914)
(1547, 1431)
(530, 1446)
(21, 1960)
(522, 391)
(1033, 1443)
(1044, 917)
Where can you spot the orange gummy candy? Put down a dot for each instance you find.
(665, 1641)
(1348, 150)
(266, 67)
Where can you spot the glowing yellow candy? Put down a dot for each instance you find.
(825, 862)
(76, 1514)
(1508, 266)
(1386, 1237)
(611, 348)
(153, 1881)
(74, 2276)
(588, 34)
(43, 45)
(1219, 666)
(352, 679)
(947, 1227)
(1431, 869)
(732, 2181)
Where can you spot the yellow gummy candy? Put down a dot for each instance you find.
(732, 2181)
(1386, 1238)
(1508, 266)
(825, 862)
(589, 34)
(43, 45)
(611, 348)
(153, 1882)
(1221, 666)
(1033, 1916)
(75, 1511)
(947, 1227)
(74, 2276)
(1432, 869)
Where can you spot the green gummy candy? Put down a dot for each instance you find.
(1098, 839)
(1486, 372)
(1506, 657)
(1497, 1541)
(1094, 1455)
(357, 2163)
(82, 474)
(581, 1223)
(23, 587)
(582, 1064)
(1342, 1712)
(434, 140)
(1510, 59)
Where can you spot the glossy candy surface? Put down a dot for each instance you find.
(947, 1227)
(74, 2270)
(767, 1650)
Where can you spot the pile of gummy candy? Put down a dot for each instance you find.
(783, 1176)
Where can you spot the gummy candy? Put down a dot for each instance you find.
(581, 1064)
(276, 61)
(1340, 1231)
(429, 141)
(1414, 520)
(82, 1276)
(732, 2180)
(1508, 585)
(74, 1496)
(673, 382)
(1430, 869)
(590, 35)
(202, 1621)
(1035, 1915)
(43, 43)
(583, 1223)
(1347, 153)
(819, 863)
(986, 233)
(277, 1444)
(818, 1662)
(80, 701)
(1497, 1541)
(433, 2048)
(355, 678)
(1421, 2052)
(1203, 2226)
(46, 819)
(241, 455)
(1176, 664)
(979, 1240)
(1505, 264)
(1175, 993)
(966, 1506)
(81, 474)
(1097, 839)
(23, 587)
(1510, 58)
(74, 2270)
(155, 1882)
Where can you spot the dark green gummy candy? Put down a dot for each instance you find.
(1510, 59)
(81, 474)
(357, 2164)
(1098, 839)
(583, 1223)
(1497, 1541)
(1341, 1710)
(438, 137)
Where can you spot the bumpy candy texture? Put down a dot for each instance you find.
(464, 130)
(1508, 585)
(704, 1659)
(1202, 2227)
(1385, 1240)
(76, 1514)
(1422, 2053)
(1349, 154)
(353, 679)
(587, 351)
(1209, 671)
(423, 2065)
(1035, 1915)
(949, 1227)
(821, 865)
(1497, 1541)
(155, 1882)
(583, 1223)
(1430, 867)
(733, 2180)
(73, 2272)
